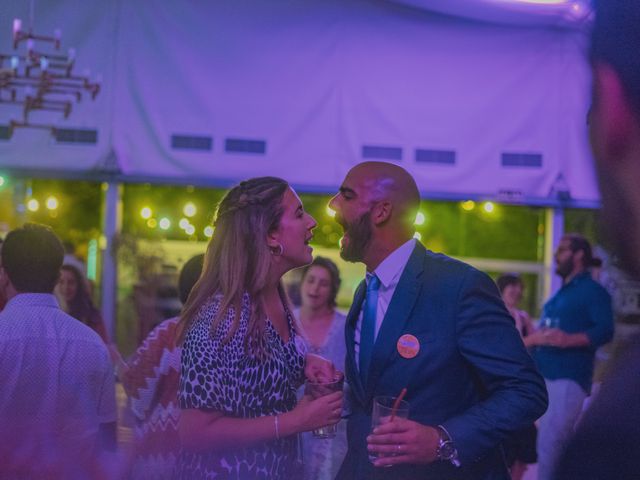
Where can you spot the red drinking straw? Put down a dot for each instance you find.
(396, 404)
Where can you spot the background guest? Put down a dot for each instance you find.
(57, 407)
(73, 291)
(581, 318)
(511, 289)
(607, 439)
(151, 380)
(520, 448)
(71, 258)
(596, 268)
(323, 326)
(242, 358)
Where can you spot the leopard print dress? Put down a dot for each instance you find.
(224, 377)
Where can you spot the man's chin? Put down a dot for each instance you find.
(350, 256)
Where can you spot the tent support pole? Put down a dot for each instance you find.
(554, 219)
(112, 228)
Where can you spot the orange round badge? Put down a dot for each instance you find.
(408, 346)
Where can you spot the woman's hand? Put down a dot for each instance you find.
(310, 414)
(318, 369)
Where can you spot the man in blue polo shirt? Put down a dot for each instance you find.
(580, 319)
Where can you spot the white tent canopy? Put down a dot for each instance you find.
(213, 92)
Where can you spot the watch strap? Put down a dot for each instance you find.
(446, 450)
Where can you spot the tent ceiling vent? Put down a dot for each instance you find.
(243, 145)
(529, 160)
(191, 142)
(446, 157)
(381, 153)
(76, 135)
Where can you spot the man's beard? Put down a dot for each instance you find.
(565, 268)
(359, 233)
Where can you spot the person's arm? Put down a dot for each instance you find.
(554, 337)
(107, 436)
(98, 322)
(144, 363)
(599, 332)
(514, 391)
(527, 324)
(106, 408)
(212, 430)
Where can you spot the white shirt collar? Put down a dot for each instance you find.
(391, 268)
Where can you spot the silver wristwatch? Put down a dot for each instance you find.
(446, 450)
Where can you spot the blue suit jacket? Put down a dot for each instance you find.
(472, 374)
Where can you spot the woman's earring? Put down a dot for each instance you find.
(278, 250)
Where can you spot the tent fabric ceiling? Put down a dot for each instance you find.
(214, 92)
(558, 13)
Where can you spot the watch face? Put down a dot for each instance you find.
(447, 450)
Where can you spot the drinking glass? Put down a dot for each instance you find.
(320, 389)
(381, 414)
(549, 322)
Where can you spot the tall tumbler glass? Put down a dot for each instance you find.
(320, 389)
(381, 414)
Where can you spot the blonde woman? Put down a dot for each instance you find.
(242, 357)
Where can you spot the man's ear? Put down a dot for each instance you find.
(4, 278)
(381, 212)
(612, 117)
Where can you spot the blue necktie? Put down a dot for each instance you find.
(368, 327)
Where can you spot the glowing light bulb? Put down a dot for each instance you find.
(33, 205)
(52, 203)
(189, 209)
(164, 223)
(146, 213)
(468, 205)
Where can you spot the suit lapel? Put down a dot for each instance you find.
(351, 368)
(396, 317)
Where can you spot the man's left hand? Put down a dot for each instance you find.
(406, 440)
(554, 337)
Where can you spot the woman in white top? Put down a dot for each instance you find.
(520, 449)
(323, 327)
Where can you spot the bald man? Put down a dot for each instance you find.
(435, 326)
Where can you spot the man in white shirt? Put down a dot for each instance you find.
(57, 406)
(435, 326)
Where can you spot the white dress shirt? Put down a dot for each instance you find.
(389, 272)
(57, 383)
